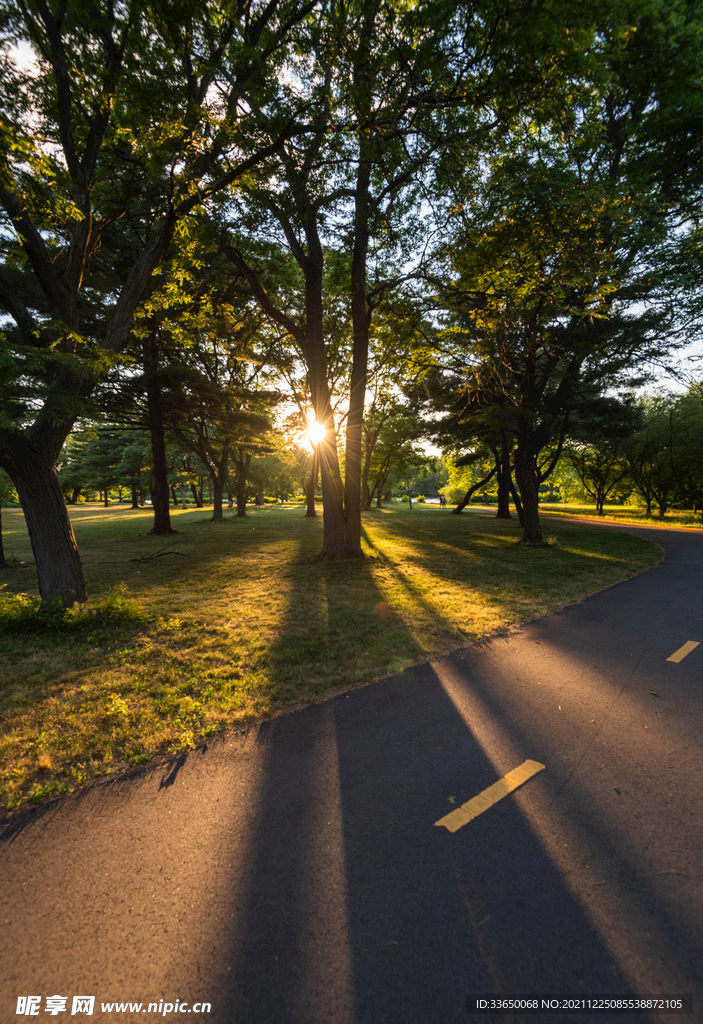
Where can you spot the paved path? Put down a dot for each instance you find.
(293, 874)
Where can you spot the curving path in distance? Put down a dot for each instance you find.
(293, 874)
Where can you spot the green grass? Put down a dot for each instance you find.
(228, 623)
(628, 514)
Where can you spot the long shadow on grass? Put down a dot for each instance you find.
(479, 546)
(337, 629)
(412, 590)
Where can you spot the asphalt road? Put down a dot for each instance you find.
(293, 874)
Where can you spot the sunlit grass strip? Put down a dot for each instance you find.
(226, 624)
(627, 514)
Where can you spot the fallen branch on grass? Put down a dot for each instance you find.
(159, 554)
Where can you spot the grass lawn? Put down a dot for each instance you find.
(227, 623)
(626, 514)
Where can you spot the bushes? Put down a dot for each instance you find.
(20, 613)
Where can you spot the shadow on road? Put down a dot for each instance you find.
(355, 908)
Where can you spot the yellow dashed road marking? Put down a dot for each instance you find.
(470, 810)
(679, 655)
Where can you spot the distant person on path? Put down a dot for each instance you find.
(442, 501)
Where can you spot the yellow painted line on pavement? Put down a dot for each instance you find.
(470, 810)
(679, 655)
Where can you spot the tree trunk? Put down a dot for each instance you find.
(56, 555)
(197, 496)
(106, 500)
(526, 477)
(311, 486)
(159, 488)
(472, 490)
(504, 478)
(135, 496)
(516, 502)
(243, 463)
(361, 325)
(334, 544)
(75, 494)
(216, 483)
(218, 486)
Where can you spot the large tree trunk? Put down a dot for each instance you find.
(361, 324)
(58, 563)
(218, 478)
(311, 486)
(335, 543)
(160, 488)
(242, 463)
(526, 478)
(334, 538)
(218, 486)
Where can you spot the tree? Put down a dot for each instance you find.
(377, 85)
(598, 445)
(216, 404)
(602, 468)
(664, 456)
(573, 257)
(133, 111)
(391, 450)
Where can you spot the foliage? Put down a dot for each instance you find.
(8, 494)
(22, 613)
(664, 456)
(559, 238)
(495, 203)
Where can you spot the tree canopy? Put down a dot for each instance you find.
(495, 206)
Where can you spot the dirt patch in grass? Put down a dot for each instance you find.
(228, 623)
